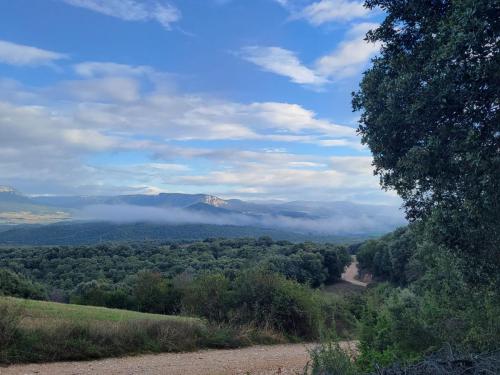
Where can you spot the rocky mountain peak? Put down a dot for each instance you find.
(214, 201)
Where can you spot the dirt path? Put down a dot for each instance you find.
(262, 360)
(351, 272)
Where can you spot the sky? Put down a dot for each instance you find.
(242, 99)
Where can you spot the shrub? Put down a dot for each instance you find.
(59, 340)
(263, 299)
(10, 318)
(16, 285)
(285, 305)
(208, 296)
(449, 363)
(330, 359)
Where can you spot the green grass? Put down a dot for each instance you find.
(52, 310)
(39, 331)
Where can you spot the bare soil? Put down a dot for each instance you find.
(351, 273)
(261, 360)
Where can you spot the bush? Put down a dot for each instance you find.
(448, 363)
(208, 296)
(330, 359)
(265, 298)
(15, 285)
(10, 319)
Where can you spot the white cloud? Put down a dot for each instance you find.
(295, 118)
(22, 55)
(322, 12)
(325, 11)
(133, 10)
(48, 136)
(347, 60)
(283, 62)
(350, 56)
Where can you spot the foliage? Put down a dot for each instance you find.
(202, 278)
(10, 318)
(265, 300)
(330, 359)
(12, 284)
(37, 331)
(89, 233)
(430, 115)
(388, 258)
(403, 324)
(64, 267)
(449, 363)
(209, 296)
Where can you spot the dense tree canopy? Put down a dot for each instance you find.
(63, 268)
(430, 115)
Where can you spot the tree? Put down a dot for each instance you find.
(430, 115)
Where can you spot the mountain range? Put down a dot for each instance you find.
(298, 217)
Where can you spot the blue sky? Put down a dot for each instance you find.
(237, 98)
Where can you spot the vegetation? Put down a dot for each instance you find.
(12, 284)
(430, 115)
(330, 359)
(46, 311)
(89, 233)
(62, 269)
(256, 306)
(449, 364)
(245, 291)
(36, 331)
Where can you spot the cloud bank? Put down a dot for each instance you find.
(334, 225)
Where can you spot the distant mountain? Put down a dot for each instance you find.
(160, 200)
(16, 208)
(299, 217)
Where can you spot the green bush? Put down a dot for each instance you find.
(330, 359)
(208, 296)
(263, 299)
(10, 319)
(16, 285)
(405, 324)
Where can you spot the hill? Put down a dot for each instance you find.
(44, 311)
(76, 233)
(39, 331)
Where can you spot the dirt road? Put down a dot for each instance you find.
(262, 360)
(351, 272)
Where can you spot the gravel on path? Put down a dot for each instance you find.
(256, 360)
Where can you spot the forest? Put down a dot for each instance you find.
(64, 268)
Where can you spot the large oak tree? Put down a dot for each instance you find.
(430, 115)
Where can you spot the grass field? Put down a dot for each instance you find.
(40, 331)
(34, 310)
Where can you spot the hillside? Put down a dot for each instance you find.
(44, 311)
(80, 233)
